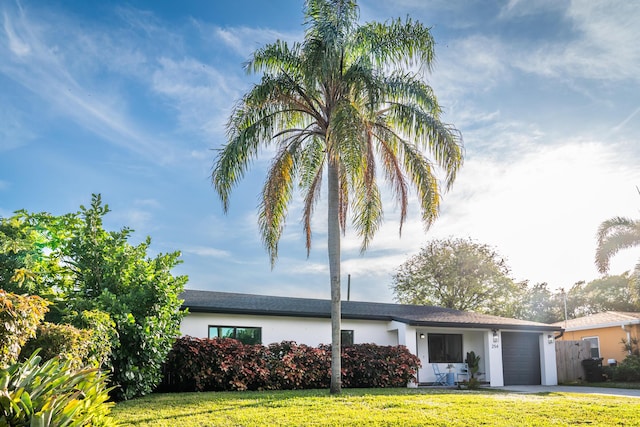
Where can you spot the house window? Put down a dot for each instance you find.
(445, 348)
(346, 337)
(595, 346)
(246, 335)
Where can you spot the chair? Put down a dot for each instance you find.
(463, 372)
(441, 377)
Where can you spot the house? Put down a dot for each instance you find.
(605, 332)
(512, 351)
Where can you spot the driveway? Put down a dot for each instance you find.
(570, 389)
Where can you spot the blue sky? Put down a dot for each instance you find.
(129, 99)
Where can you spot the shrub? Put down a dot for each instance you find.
(103, 335)
(19, 318)
(63, 341)
(295, 366)
(225, 364)
(628, 369)
(53, 394)
(214, 365)
(370, 365)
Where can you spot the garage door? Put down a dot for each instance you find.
(520, 358)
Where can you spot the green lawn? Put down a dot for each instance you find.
(378, 407)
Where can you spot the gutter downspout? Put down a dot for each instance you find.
(628, 337)
(559, 335)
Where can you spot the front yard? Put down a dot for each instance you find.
(378, 407)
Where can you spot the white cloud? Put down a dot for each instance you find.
(16, 44)
(245, 40)
(52, 72)
(201, 94)
(208, 252)
(605, 46)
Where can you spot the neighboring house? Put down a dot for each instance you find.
(512, 351)
(605, 332)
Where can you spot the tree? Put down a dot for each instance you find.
(540, 304)
(614, 235)
(96, 279)
(341, 103)
(459, 274)
(610, 293)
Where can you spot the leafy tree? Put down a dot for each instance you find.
(610, 293)
(614, 235)
(341, 103)
(96, 279)
(460, 274)
(540, 304)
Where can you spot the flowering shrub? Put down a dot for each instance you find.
(226, 364)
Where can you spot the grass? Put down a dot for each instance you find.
(378, 407)
(607, 384)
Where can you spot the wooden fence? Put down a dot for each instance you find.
(569, 356)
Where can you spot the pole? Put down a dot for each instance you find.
(348, 287)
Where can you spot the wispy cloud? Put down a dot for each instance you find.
(63, 66)
(208, 252)
(245, 40)
(202, 96)
(604, 46)
(39, 57)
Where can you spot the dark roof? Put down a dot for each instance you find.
(416, 315)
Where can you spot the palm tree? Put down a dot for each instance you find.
(341, 102)
(613, 235)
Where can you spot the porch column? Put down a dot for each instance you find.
(493, 350)
(548, 369)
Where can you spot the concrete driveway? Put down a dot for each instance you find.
(570, 389)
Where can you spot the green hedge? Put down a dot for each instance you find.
(226, 364)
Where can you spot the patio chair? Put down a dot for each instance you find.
(441, 377)
(463, 372)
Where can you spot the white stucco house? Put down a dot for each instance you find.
(512, 351)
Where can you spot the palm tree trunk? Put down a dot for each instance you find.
(333, 232)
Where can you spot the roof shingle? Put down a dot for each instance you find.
(417, 315)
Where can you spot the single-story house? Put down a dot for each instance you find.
(605, 332)
(512, 351)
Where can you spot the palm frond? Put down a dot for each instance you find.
(275, 58)
(420, 172)
(614, 235)
(311, 170)
(367, 208)
(388, 149)
(403, 44)
(276, 195)
(443, 141)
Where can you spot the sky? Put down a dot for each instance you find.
(130, 100)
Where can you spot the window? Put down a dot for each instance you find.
(246, 335)
(595, 346)
(445, 348)
(346, 337)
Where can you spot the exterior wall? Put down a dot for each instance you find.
(314, 331)
(548, 369)
(610, 340)
(309, 331)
